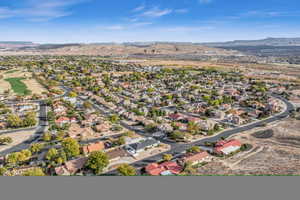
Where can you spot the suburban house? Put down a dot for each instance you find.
(98, 146)
(176, 116)
(166, 168)
(71, 99)
(59, 109)
(71, 167)
(195, 158)
(90, 120)
(75, 131)
(225, 147)
(116, 154)
(65, 120)
(136, 148)
(236, 119)
(103, 127)
(207, 125)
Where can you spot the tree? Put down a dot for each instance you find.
(71, 147)
(36, 148)
(25, 155)
(16, 157)
(126, 170)
(129, 134)
(14, 121)
(47, 137)
(121, 141)
(189, 168)
(6, 140)
(87, 105)
(97, 161)
(193, 128)
(177, 135)
(13, 158)
(34, 172)
(73, 94)
(3, 170)
(30, 119)
(167, 157)
(194, 149)
(60, 135)
(51, 154)
(114, 118)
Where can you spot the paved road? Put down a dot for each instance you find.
(40, 129)
(178, 149)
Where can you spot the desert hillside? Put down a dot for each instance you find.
(124, 50)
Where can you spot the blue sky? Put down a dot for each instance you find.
(65, 21)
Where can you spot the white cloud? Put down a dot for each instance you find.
(37, 10)
(122, 27)
(205, 1)
(263, 14)
(188, 28)
(156, 12)
(139, 8)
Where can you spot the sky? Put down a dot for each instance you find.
(89, 21)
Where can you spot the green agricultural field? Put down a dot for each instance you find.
(18, 86)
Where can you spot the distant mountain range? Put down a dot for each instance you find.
(16, 42)
(263, 42)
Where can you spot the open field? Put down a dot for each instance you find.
(275, 155)
(34, 86)
(4, 85)
(18, 138)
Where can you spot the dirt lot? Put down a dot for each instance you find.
(277, 155)
(18, 139)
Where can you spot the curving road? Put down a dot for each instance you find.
(177, 149)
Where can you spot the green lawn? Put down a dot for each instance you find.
(18, 86)
(11, 71)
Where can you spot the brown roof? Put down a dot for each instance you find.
(98, 146)
(74, 165)
(76, 131)
(103, 127)
(116, 153)
(61, 170)
(195, 157)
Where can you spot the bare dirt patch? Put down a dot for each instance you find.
(277, 155)
(34, 86)
(18, 139)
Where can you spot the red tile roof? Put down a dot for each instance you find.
(155, 169)
(175, 116)
(62, 119)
